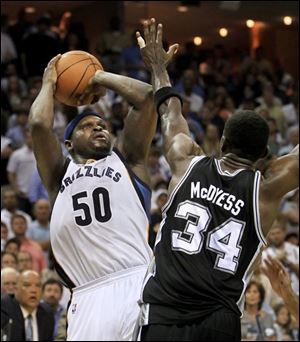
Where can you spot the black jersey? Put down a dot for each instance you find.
(208, 240)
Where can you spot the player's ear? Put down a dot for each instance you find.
(69, 145)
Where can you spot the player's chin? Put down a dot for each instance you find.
(102, 147)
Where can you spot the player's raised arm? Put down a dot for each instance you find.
(46, 146)
(139, 124)
(178, 145)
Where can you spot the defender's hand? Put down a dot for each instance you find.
(94, 90)
(152, 48)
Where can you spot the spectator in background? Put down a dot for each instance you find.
(39, 229)
(190, 90)
(8, 260)
(12, 246)
(186, 60)
(20, 168)
(6, 151)
(274, 108)
(113, 61)
(14, 92)
(4, 235)
(9, 280)
(270, 296)
(19, 226)
(255, 321)
(76, 38)
(25, 261)
(293, 140)
(17, 134)
(51, 294)
(8, 49)
(37, 189)
(23, 25)
(10, 207)
(133, 61)
(285, 252)
(154, 167)
(292, 238)
(114, 39)
(30, 320)
(48, 43)
(11, 70)
(193, 121)
(283, 323)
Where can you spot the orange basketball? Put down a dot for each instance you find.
(74, 70)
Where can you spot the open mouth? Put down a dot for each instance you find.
(101, 137)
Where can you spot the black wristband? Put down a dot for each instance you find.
(162, 94)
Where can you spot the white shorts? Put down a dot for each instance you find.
(106, 309)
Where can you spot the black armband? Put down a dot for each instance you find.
(162, 94)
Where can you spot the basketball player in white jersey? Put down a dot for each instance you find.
(101, 203)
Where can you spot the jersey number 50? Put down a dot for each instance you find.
(223, 240)
(101, 204)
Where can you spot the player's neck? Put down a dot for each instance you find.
(233, 162)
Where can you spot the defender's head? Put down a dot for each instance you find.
(246, 135)
(88, 137)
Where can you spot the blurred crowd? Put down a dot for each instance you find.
(213, 83)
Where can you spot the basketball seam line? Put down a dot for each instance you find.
(72, 65)
(81, 78)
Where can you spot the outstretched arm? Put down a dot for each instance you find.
(46, 147)
(179, 148)
(281, 284)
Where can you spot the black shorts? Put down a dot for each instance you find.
(222, 325)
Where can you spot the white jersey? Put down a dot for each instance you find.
(98, 224)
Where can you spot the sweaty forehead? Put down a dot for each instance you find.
(91, 118)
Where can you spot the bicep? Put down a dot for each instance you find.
(139, 129)
(49, 157)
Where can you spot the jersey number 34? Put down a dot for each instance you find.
(223, 240)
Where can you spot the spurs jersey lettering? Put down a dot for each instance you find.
(205, 250)
(98, 224)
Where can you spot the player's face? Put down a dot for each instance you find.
(91, 138)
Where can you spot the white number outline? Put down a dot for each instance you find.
(188, 225)
(177, 235)
(220, 254)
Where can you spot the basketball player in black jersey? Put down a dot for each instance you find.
(216, 219)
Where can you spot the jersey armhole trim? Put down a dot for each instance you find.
(135, 180)
(256, 213)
